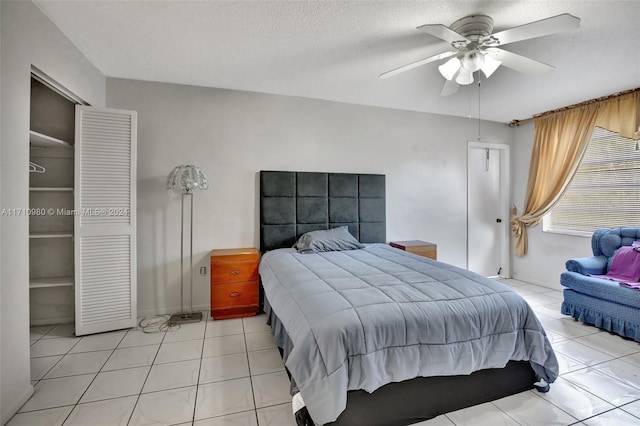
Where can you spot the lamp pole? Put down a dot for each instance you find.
(186, 178)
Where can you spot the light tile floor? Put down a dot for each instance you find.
(220, 373)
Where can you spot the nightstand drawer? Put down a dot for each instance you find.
(233, 271)
(236, 294)
(234, 300)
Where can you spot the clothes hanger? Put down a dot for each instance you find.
(36, 168)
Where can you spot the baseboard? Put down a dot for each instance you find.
(169, 311)
(16, 405)
(51, 321)
(141, 313)
(535, 281)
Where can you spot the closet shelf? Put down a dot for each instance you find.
(57, 234)
(51, 282)
(38, 139)
(50, 189)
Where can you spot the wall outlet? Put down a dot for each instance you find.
(203, 270)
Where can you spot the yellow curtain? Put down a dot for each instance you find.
(559, 144)
(621, 114)
(560, 141)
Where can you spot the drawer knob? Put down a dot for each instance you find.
(235, 272)
(234, 294)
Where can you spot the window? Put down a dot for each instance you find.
(605, 192)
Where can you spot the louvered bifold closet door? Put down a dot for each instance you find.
(105, 221)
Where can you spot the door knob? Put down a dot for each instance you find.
(499, 220)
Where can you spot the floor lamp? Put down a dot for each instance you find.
(187, 179)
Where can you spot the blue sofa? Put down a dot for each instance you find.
(603, 303)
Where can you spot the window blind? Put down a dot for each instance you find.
(605, 191)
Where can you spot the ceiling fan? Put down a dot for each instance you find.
(475, 48)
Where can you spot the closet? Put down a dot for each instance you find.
(82, 198)
(51, 164)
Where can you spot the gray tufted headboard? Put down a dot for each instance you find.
(292, 203)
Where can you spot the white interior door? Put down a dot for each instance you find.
(488, 209)
(105, 221)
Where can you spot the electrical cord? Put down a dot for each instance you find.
(157, 324)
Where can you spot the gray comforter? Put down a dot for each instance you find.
(360, 319)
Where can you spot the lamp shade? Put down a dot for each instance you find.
(449, 68)
(473, 60)
(187, 178)
(464, 77)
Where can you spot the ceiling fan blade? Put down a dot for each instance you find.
(450, 87)
(553, 25)
(442, 32)
(518, 62)
(416, 64)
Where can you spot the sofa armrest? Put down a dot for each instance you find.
(594, 265)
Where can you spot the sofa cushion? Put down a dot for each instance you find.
(595, 265)
(600, 288)
(606, 241)
(609, 243)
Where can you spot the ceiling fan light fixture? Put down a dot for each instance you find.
(464, 77)
(490, 65)
(473, 60)
(450, 68)
(475, 47)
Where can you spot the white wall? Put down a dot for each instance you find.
(1, 404)
(547, 252)
(28, 38)
(232, 135)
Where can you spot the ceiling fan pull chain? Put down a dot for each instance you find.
(479, 107)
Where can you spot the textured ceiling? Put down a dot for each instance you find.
(335, 50)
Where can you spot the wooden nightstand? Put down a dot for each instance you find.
(419, 247)
(234, 283)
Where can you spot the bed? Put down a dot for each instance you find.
(376, 335)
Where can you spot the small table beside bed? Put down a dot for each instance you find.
(374, 335)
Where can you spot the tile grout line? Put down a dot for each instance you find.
(246, 353)
(594, 367)
(39, 380)
(195, 402)
(146, 378)
(608, 411)
(94, 377)
(562, 409)
(628, 403)
(507, 414)
(72, 375)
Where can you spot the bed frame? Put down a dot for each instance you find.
(292, 203)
